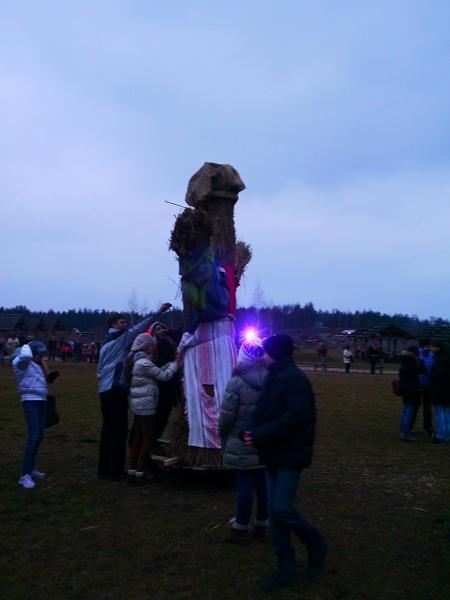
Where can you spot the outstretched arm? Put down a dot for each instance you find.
(145, 323)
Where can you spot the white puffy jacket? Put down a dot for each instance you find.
(31, 379)
(144, 391)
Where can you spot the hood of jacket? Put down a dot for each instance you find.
(141, 354)
(253, 373)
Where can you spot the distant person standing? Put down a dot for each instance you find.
(427, 358)
(348, 358)
(410, 370)
(372, 358)
(113, 392)
(77, 346)
(322, 352)
(440, 392)
(92, 352)
(52, 347)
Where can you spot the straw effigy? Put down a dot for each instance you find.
(212, 194)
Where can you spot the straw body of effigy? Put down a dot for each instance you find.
(204, 240)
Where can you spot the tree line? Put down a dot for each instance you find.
(293, 317)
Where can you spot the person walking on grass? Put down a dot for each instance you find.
(410, 370)
(440, 392)
(241, 395)
(30, 370)
(143, 376)
(348, 358)
(282, 428)
(113, 392)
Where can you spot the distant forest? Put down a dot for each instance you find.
(292, 317)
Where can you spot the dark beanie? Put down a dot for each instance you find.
(279, 346)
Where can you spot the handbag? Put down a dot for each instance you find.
(52, 413)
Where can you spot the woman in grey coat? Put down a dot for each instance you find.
(240, 399)
(143, 377)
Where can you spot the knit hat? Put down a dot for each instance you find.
(250, 350)
(152, 329)
(38, 348)
(142, 341)
(279, 346)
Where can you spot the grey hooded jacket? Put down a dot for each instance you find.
(241, 396)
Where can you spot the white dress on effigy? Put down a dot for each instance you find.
(209, 359)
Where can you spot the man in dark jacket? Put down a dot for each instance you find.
(282, 428)
(440, 392)
(113, 392)
(410, 369)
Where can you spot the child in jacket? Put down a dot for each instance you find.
(30, 370)
(143, 376)
(241, 396)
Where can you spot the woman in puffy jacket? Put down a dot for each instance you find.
(30, 370)
(143, 377)
(241, 396)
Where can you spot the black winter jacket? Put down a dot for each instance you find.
(439, 386)
(283, 422)
(410, 369)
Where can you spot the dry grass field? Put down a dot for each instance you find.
(382, 503)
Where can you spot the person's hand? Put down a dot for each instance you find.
(52, 376)
(164, 307)
(247, 438)
(179, 357)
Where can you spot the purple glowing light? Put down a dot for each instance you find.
(250, 335)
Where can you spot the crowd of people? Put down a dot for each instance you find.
(267, 422)
(65, 349)
(267, 426)
(374, 355)
(424, 381)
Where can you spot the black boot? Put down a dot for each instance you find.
(317, 549)
(317, 554)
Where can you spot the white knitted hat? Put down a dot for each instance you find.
(142, 341)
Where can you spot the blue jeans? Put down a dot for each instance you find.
(442, 420)
(408, 415)
(35, 417)
(286, 518)
(247, 482)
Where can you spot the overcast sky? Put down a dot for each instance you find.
(335, 114)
